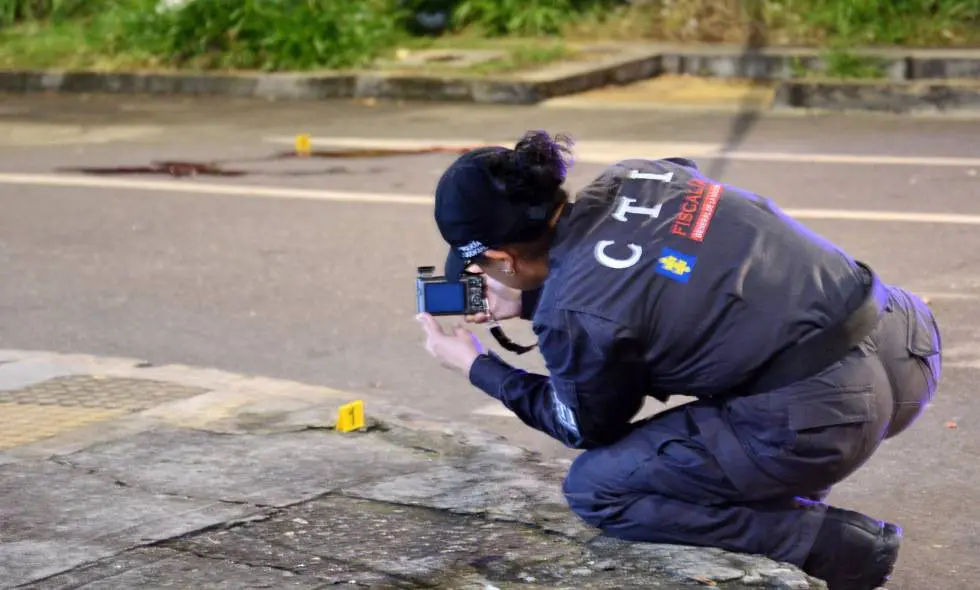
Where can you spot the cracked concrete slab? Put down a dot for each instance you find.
(415, 543)
(499, 489)
(246, 546)
(368, 543)
(275, 470)
(153, 569)
(55, 517)
(265, 493)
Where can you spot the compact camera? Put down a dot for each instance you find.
(438, 296)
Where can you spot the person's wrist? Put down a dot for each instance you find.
(468, 363)
(480, 356)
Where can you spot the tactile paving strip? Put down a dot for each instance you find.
(61, 404)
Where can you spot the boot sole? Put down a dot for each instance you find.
(880, 565)
(886, 555)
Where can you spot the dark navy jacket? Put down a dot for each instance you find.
(666, 284)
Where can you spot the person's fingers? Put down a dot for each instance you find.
(430, 324)
(479, 318)
(430, 345)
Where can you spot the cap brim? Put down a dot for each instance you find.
(455, 265)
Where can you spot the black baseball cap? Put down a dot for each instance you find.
(476, 212)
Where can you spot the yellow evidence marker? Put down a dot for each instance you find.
(304, 144)
(350, 417)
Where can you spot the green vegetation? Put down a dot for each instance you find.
(205, 34)
(845, 64)
(336, 34)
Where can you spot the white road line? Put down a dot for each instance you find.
(936, 296)
(754, 106)
(596, 152)
(962, 365)
(194, 187)
(606, 152)
(908, 217)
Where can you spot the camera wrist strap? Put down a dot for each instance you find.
(498, 334)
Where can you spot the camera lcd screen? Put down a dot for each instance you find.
(445, 297)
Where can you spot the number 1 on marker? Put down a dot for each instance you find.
(350, 417)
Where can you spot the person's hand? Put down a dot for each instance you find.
(456, 349)
(505, 303)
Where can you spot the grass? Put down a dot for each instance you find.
(113, 40)
(822, 23)
(516, 53)
(322, 34)
(845, 64)
(65, 46)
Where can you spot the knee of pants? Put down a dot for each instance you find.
(593, 488)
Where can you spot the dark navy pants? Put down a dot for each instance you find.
(747, 474)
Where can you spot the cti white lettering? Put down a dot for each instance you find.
(665, 177)
(624, 207)
(617, 263)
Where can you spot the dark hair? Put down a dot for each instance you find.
(534, 171)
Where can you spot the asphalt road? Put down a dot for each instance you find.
(318, 286)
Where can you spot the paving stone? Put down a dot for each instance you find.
(273, 470)
(336, 538)
(17, 375)
(152, 569)
(54, 517)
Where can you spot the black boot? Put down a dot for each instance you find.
(853, 551)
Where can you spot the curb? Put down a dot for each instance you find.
(913, 97)
(624, 66)
(937, 81)
(896, 64)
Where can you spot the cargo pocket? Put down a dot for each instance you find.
(831, 430)
(923, 340)
(916, 378)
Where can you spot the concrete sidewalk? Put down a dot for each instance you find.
(117, 474)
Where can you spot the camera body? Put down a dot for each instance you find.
(440, 297)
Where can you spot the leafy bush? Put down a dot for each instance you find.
(524, 17)
(15, 11)
(336, 34)
(886, 22)
(258, 34)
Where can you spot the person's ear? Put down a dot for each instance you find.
(502, 260)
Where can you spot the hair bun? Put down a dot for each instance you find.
(536, 167)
